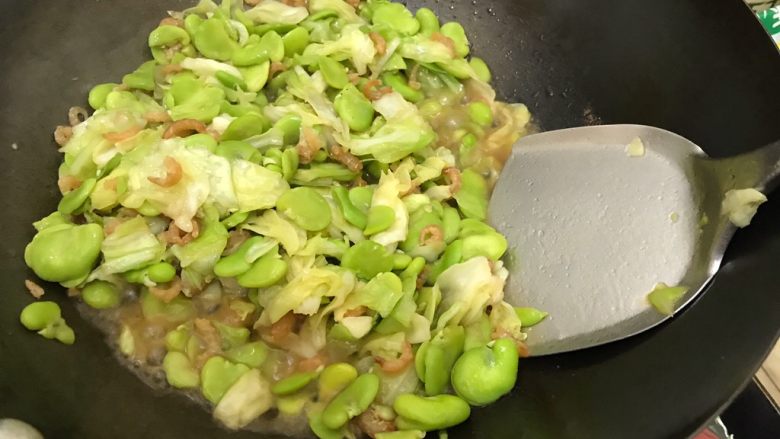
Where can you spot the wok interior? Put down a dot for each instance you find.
(703, 69)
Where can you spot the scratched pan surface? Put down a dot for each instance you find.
(701, 68)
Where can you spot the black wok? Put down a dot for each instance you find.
(702, 68)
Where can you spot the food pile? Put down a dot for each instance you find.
(284, 211)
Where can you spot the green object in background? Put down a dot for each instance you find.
(770, 19)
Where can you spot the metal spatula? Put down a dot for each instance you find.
(593, 226)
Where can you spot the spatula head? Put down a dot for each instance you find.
(594, 225)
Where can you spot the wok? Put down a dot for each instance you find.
(701, 68)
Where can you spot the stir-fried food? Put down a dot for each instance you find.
(285, 211)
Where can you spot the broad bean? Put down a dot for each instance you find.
(334, 378)
(212, 39)
(351, 401)
(293, 383)
(266, 271)
(305, 207)
(436, 357)
(530, 316)
(98, 94)
(483, 374)
(472, 198)
(217, 375)
(100, 294)
(352, 214)
(431, 412)
(379, 219)
(354, 108)
(367, 259)
(179, 372)
(454, 31)
(252, 354)
(248, 125)
(396, 17)
(74, 199)
(429, 22)
(46, 318)
(333, 72)
(64, 252)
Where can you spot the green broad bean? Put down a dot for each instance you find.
(491, 245)
(46, 318)
(664, 298)
(59, 331)
(354, 108)
(306, 208)
(427, 300)
(529, 316)
(98, 94)
(237, 110)
(436, 357)
(147, 209)
(320, 156)
(401, 261)
(295, 41)
(293, 383)
(429, 22)
(399, 84)
(450, 223)
(452, 255)
(256, 76)
(252, 354)
(39, 315)
(412, 245)
(53, 219)
(352, 214)
(280, 28)
(323, 174)
(459, 68)
(480, 113)
(467, 151)
(274, 167)
(231, 336)
(100, 294)
(290, 126)
(290, 164)
(142, 78)
(334, 378)
(320, 430)
(241, 260)
(248, 125)
(367, 259)
(74, 199)
(238, 150)
(217, 375)
(266, 271)
(333, 72)
(212, 38)
(201, 103)
(379, 219)
(64, 252)
(235, 219)
(160, 272)
(272, 44)
(429, 413)
(410, 273)
(177, 339)
(361, 197)
(395, 63)
(179, 372)
(454, 31)
(400, 319)
(481, 69)
(202, 140)
(279, 81)
(230, 81)
(167, 36)
(395, 16)
(472, 198)
(351, 401)
(402, 434)
(292, 405)
(178, 310)
(482, 375)
(251, 54)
